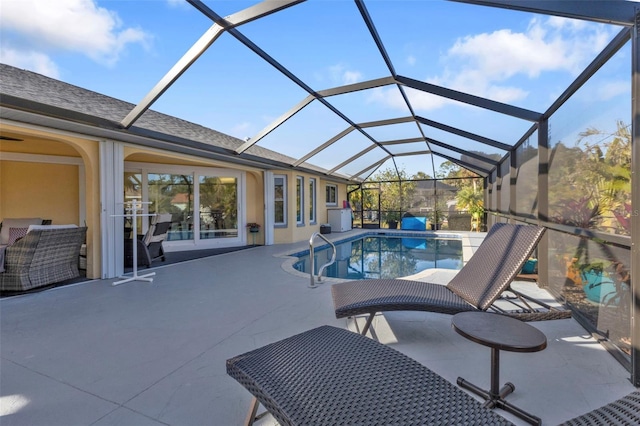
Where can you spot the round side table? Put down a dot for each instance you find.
(499, 332)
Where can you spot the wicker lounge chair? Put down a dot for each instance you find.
(476, 287)
(333, 376)
(624, 411)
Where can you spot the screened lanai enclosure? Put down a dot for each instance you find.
(533, 119)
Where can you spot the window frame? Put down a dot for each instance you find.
(328, 187)
(284, 200)
(313, 214)
(300, 200)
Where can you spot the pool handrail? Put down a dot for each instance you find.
(312, 259)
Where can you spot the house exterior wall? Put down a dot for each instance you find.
(323, 207)
(255, 204)
(49, 191)
(70, 191)
(295, 232)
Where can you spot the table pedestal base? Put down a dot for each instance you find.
(495, 397)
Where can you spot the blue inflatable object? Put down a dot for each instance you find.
(414, 243)
(598, 287)
(414, 223)
(530, 267)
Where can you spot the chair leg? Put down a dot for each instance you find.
(368, 323)
(251, 415)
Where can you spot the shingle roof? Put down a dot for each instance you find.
(39, 89)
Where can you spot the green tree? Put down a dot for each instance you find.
(598, 169)
(471, 199)
(396, 192)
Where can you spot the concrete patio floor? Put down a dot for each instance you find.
(154, 354)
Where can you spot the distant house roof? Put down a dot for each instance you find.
(181, 198)
(440, 186)
(29, 92)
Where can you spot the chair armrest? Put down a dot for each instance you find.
(19, 254)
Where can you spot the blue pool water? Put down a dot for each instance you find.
(384, 256)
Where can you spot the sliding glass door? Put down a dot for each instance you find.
(173, 193)
(206, 204)
(218, 207)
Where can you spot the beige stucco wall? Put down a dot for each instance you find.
(322, 205)
(49, 191)
(255, 204)
(294, 232)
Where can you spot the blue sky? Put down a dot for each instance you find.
(122, 48)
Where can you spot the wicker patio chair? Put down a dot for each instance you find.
(332, 376)
(476, 287)
(42, 257)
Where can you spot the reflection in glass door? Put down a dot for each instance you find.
(173, 193)
(218, 207)
(132, 192)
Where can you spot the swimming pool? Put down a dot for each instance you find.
(385, 256)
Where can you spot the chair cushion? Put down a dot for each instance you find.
(9, 223)
(35, 227)
(158, 229)
(16, 233)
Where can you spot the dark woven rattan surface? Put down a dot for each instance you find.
(495, 263)
(379, 295)
(42, 257)
(332, 376)
(625, 411)
(475, 287)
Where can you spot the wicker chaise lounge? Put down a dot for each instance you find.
(624, 411)
(332, 376)
(476, 287)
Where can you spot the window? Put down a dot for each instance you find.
(312, 200)
(280, 200)
(299, 200)
(332, 195)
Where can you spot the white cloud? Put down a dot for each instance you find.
(483, 64)
(72, 25)
(349, 77)
(411, 60)
(340, 75)
(31, 60)
(177, 3)
(391, 97)
(242, 130)
(612, 89)
(557, 44)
